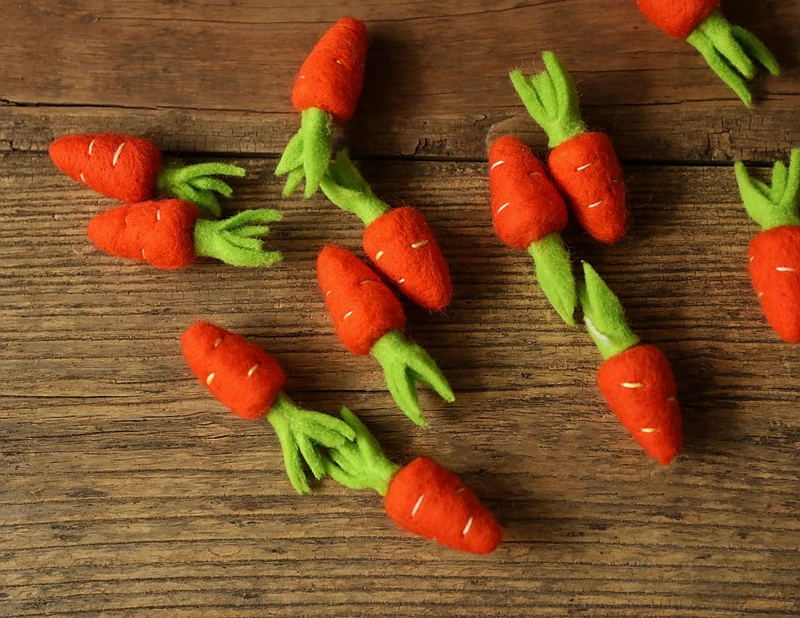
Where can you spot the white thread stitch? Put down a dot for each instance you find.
(116, 154)
(158, 215)
(468, 526)
(378, 255)
(347, 315)
(496, 164)
(144, 258)
(253, 369)
(760, 294)
(785, 269)
(583, 167)
(499, 210)
(419, 244)
(632, 384)
(649, 430)
(340, 63)
(416, 506)
(210, 379)
(91, 147)
(752, 257)
(399, 281)
(672, 399)
(83, 179)
(328, 293)
(595, 205)
(217, 342)
(459, 490)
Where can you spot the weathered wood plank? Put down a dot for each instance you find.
(206, 76)
(127, 491)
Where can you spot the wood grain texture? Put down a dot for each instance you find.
(127, 491)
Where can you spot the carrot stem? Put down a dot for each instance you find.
(554, 274)
(308, 153)
(344, 185)
(361, 463)
(300, 432)
(404, 364)
(773, 205)
(236, 240)
(604, 316)
(551, 99)
(730, 51)
(196, 184)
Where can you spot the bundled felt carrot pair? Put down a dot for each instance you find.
(171, 232)
(422, 497)
(529, 211)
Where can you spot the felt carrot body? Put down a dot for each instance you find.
(421, 497)
(584, 165)
(370, 320)
(775, 252)
(130, 169)
(250, 383)
(529, 213)
(170, 234)
(729, 50)
(635, 380)
(326, 91)
(398, 241)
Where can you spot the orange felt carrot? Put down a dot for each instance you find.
(775, 252)
(250, 382)
(370, 320)
(421, 497)
(170, 234)
(399, 241)
(326, 91)
(529, 213)
(729, 50)
(584, 165)
(130, 169)
(635, 380)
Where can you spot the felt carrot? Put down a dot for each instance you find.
(421, 497)
(130, 169)
(729, 50)
(250, 382)
(398, 241)
(775, 252)
(635, 380)
(370, 320)
(326, 91)
(584, 165)
(528, 213)
(170, 234)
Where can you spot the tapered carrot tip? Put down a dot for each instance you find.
(775, 273)
(118, 166)
(431, 501)
(639, 387)
(238, 373)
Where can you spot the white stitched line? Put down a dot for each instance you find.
(399, 281)
(648, 430)
(419, 244)
(347, 315)
(416, 506)
(340, 63)
(117, 153)
(496, 164)
(158, 215)
(499, 210)
(595, 205)
(144, 258)
(468, 526)
(632, 384)
(459, 490)
(253, 369)
(210, 379)
(91, 147)
(760, 294)
(672, 399)
(83, 179)
(378, 255)
(328, 293)
(217, 342)
(785, 269)
(365, 281)
(302, 77)
(583, 167)
(752, 257)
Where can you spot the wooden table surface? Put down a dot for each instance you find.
(127, 491)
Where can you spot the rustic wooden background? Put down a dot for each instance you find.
(127, 491)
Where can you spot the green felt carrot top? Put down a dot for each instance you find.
(773, 205)
(197, 184)
(604, 316)
(345, 187)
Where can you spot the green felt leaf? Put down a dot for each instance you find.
(234, 240)
(555, 276)
(776, 205)
(344, 186)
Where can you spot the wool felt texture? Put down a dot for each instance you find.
(250, 383)
(731, 51)
(170, 234)
(635, 380)
(369, 320)
(583, 165)
(130, 169)
(554, 274)
(677, 18)
(775, 252)
(398, 241)
(326, 91)
(421, 497)
(362, 307)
